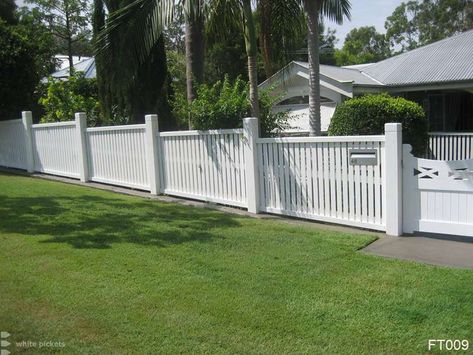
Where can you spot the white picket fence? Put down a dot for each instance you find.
(334, 179)
(438, 195)
(117, 155)
(314, 178)
(204, 165)
(450, 146)
(55, 149)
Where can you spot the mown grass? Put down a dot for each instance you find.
(108, 273)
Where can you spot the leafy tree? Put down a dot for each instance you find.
(225, 54)
(224, 104)
(68, 20)
(363, 45)
(7, 11)
(420, 22)
(315, 9)
(62, 98)
(400, 29)
(18, 77)
(41, 40)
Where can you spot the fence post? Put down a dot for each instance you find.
(152, 156)
(250, 127)
(81, 129)
(393, 178)
(27, 119)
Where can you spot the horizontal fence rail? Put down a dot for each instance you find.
(313, 178)
(13, 144)
(450, 146)
(56, 149)
(204, 165)
(117, 155)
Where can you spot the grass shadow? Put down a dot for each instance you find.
(91, 221)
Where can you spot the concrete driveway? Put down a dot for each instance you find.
(449, 251)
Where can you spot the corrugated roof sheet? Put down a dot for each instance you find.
(344, 74)
(87, 66)
(447, 60)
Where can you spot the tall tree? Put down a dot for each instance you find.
(194, 45)
(7, 11)
(251, 52)
(282, 31)
(315, 9)
(420, 22)
(148, 19)
(17, 75)
(128, 87)
(68, 20)
(400, 28)
(363, 45)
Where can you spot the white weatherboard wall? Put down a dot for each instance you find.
(13, 144)
(117, 155)
(204, 165)
(55, 149)
(450, 146)
(313, 178)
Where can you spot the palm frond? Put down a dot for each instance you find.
(336, 10)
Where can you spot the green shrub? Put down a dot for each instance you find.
(63, 98)
(17, 72)
(224, 105)
(367, 115)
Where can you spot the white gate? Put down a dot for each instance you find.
(437, 195)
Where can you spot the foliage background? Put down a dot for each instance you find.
(367, 115)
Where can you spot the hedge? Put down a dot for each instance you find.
(366, 115)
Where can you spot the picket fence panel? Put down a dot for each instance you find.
(117, 155)
(204, 165)
(313, 178)
(438, 195)
(55, 149)
(450, 146)
(12, 144)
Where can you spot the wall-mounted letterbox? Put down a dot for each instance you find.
(363, 156)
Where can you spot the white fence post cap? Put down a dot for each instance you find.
(393, 127)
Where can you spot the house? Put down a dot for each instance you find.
(438, 76)
(86, 65)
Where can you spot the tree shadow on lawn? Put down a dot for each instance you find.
(89, 221)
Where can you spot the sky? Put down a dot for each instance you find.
(363, 13)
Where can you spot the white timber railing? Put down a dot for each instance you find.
(56, 149)
(117, 155)
(13, 144)
(316, 178)
(204, 165)
(450, 146)
(348, 180)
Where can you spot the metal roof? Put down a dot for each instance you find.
(447, 60)
(344, 74)
(87, 66)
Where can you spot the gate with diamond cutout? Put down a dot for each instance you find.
(437, 195)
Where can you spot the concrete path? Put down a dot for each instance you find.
(436, 250)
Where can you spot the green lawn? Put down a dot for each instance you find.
(108, 273)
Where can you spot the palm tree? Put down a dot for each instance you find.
(315, 9)
(282, 29)
(146, 19)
